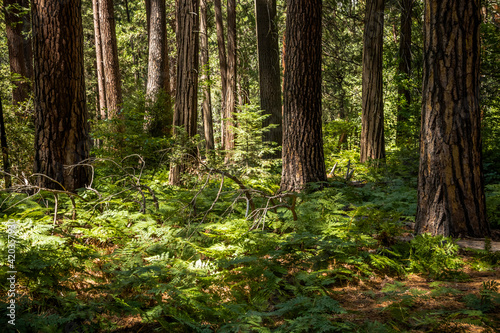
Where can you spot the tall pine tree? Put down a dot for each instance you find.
(61, 129)
(451, 198)
(303, 157)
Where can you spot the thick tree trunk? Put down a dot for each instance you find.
(101, 83)
(221, 45)
(185, 114)
(158, 84)
(269, 69)
(230, 109)
(451, 198)
(17, 26)
(112, 76)
(5, 149)
(205, 78)
(404, 71)
(303, 158)
(372, 144)
(61, 129)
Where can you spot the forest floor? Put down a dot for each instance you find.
(344, 259)
(411, 303)
(415, 302)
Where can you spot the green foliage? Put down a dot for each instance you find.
(250, 150)
(487, 300)
(436, 256)
(134, 139)
(490, 101)
(196, 260)
(333, 131)
(493, 204)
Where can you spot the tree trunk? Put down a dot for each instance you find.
(303, 158)
(269, 69)
(61, 129)
(186, 98)
(17, 25)
(114, 97)
(205, 78)
(372, 144)
(451, 198)
(158, 84)
(404, 71)
(101, 83)
(127, 11)
(5, 149)
(147, 4)
(243, 79)
(230, 109)
(221, 45)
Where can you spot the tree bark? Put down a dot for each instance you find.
(158, 84)
(451, 198)
(303, 157)
(221, 45)
(372, 145)
(17, 25)
(61, 129)
(112, 76)
(5, 149)
(101, 83)
(404, 72)
(186, 114)
(205, 78)
(269, 70)
(230, 109)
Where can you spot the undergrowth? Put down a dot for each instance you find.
(227, 254)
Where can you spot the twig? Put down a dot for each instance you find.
(155, 199)
(332, 173)
(56, 200)
(215, 201)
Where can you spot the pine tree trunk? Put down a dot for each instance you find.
(205, 78)
(185, 114)
(243, 78)
(5, 149)
(303, 157)
(404, 71)
(451, 198)
(101, 83)
(61, 129)
(158, 84)
(230, 109)
(221, 45)
(112, 76)
(17, 25)
(269, 69)
(372, 144)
